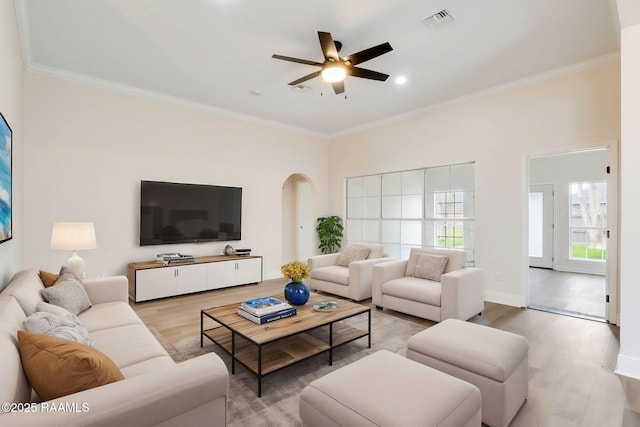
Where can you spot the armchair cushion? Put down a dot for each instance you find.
(430, 266)
(375, 250)
(414, 289)
(332, 273)
(350, 254)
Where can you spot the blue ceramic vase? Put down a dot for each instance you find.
(296, 293)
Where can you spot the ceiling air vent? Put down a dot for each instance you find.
(439, 19)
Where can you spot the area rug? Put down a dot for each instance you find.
(278, 405)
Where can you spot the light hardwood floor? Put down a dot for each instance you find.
(571, 360)
(571, 293)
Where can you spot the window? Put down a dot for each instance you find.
(430, 207)
(588, 220)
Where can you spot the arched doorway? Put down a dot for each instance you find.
(298, 219)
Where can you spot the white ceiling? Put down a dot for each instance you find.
(214, 53)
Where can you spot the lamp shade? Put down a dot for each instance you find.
(73, 236)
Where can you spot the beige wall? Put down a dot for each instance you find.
(629, 357)
(11, 71)
(86, 150)
(499, 132)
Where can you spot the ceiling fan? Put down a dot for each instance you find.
(334, 69)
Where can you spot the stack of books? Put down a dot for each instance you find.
(265, 310)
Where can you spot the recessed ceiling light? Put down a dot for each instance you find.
(301, 88)
(400, 80)
(255, 92)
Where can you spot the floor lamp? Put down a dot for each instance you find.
(73, 236)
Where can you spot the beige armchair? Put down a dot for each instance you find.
(348, 273)
(432, 284)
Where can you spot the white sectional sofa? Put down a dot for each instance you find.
(155, 390)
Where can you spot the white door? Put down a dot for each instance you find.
(305, 222)
(541, 226)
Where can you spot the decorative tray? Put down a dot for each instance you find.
(325, 306)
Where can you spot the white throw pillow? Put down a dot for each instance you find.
(430, 266)
(68, 292)
(54, 325)
(350, 254)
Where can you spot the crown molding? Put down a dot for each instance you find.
(131, 90)
(549, 75)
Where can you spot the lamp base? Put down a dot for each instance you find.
(76, 264)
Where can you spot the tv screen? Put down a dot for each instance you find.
(187, 213)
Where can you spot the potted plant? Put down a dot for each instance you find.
(329, 230)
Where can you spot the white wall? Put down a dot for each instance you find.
(87, 148)
(629, 356)
(561, 170)
(11, 72)
(499, 132)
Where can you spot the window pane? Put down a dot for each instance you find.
(392, 207)
(391, 231)
(392, 184)
(588, 220)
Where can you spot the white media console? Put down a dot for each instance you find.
(152, 280)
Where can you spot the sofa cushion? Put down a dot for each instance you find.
(414, 289)
(68, 292)
(353, 253)
(55, 325)
(14, 385)
(57, 367)
(128, 345)
(431, 266)
(457, 259)
(48, 279)
(332, 273)
(108, 315)
(25, 286)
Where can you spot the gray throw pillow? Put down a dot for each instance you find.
(65, 326)
(350, 254)
(68, 293)
(431, 267)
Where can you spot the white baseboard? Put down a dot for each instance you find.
(503, 298)
(628, 366)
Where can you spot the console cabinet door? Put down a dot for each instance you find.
(221, 274)
(191, 278)
(155, 283)
(248, 271)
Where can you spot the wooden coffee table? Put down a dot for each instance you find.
(264, 349)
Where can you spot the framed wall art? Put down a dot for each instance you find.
(5, 181)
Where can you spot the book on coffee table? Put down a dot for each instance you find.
(270, 317)
(262, 306)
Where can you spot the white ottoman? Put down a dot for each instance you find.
(495, 361)
(386, 389)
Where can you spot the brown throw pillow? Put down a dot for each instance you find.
(431, 267)
(56, 367)
(48, 279)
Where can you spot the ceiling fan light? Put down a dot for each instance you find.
(334, 73)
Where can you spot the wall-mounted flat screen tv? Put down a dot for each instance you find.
(189, 213)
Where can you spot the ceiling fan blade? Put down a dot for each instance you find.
(367, 54)
(366, 74)
(328, 46)
(298, 60)
(338, 87)
(305, 78)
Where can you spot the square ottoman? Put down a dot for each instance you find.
(495, 361)
(386, 389)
